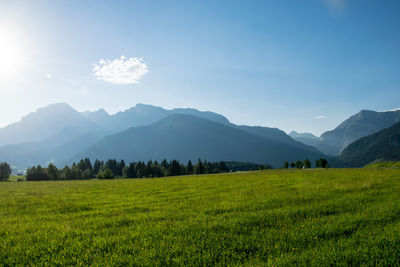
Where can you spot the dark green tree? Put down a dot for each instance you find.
(324, 163)
(85, 164)
(140, 170)
(222, 166)
(130, 171)
(76, 173)
(190, 168)
(307, 163)
(112, 164)
(36, 174)
(164, 164)
(5, 171)
(120, 167)
(66, 173)
(106, 174)
(157, 170)
(199, 168)
(286, 165)
(52, 172)
(317, 163)
(174, 168)
(97, 166)
(87, 174)
(299, 164)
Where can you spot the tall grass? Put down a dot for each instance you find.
(273, 217)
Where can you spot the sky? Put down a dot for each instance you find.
(295, 65)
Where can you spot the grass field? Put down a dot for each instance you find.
(273, 217)
(387, 164)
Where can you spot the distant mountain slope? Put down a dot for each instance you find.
(364, 123)
(56, 149)
(272, 133)
(185, 137)
(384, 145)
(142, 114)
(57, 132)
(306, 138)
(277, 135)
(43, 123)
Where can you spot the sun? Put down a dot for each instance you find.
(11, 53)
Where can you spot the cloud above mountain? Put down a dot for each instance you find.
(122, 70)
(319, 117)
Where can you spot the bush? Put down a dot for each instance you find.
(106, 174)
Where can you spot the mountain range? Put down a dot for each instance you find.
(362, 124)
(306, 138)
(47, 122)
(187, 137)
(381, 146)
(60, 134)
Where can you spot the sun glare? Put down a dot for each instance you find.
(11, 53)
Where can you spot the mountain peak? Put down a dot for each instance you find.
(51, 111)
(295, 135)
(43, 123)
(363, 123)
(56, 106)
(100, 111)
(392, 110)
(189, 137)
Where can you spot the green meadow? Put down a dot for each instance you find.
(272, 217)
(386, 164)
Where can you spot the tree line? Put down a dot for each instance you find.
(112, 168)
(319, 163)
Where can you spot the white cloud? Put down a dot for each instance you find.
(319, 117)
(121, 70)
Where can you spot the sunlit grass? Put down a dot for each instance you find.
(274, 217)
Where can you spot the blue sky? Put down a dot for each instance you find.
(296, 65)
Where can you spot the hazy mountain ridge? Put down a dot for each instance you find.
(383, 145)
(295, 134)
(306, 138)
(44, 123)
(83, 129)
(142, 114)
(56, 149)
(364, 123)
(58, 132)
(184, 137)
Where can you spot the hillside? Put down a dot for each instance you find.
(362, 124)
(142, 114)
(44, 123)
(383, 145)
(56, 149)
(385, 165)
(57, 132)
(185, 137)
